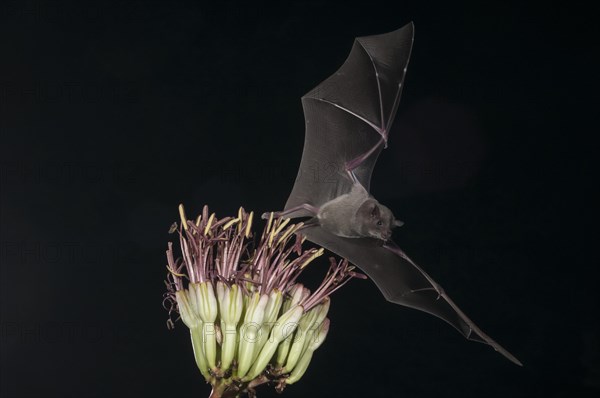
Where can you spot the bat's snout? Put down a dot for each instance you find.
(386, 235)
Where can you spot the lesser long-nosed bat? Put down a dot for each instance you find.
(357, 215)
(348, 117)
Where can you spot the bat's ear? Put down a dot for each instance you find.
(369, 208)
(398, 223)
(374, 210)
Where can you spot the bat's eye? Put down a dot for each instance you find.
(379, 223)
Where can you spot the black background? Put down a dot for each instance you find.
(113, 113)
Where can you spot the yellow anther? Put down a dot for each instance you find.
(311, 258)
(240, 213)
(230, 223)
(198, 220)
(173, 272)
(269, 223)
(276, 231)
(183, 217)
(209, 223)
(286, 234)
(281, 226)
(298, 226)
(249, 224)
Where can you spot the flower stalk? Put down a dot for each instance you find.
(250, 321)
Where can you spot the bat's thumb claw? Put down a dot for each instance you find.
(266, 215)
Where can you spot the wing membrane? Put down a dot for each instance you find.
(349, 114)
(402, 281)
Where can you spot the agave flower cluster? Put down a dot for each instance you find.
(250, 321)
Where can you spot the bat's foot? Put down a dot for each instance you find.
(313, 222)
(305, 206)
(276, 214)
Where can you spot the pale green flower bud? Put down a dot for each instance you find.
(250, 322)
(231, 305)
(249, 332)
(208, 311)
(205, 295)
(284, 326)
(271, 313)
(299, 339)
(221, 288)
(198, 347)
(304, 361)
(186, 310)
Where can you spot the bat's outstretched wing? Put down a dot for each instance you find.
(402, 281)
(348, 117)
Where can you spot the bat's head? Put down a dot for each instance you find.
(376, 220)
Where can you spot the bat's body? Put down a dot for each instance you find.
(348, 118)
(357, 215)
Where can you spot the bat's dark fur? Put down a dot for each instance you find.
(348, 118)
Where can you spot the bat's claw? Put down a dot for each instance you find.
(266, 215)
